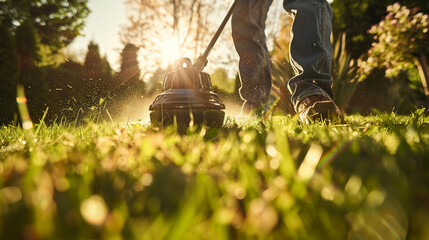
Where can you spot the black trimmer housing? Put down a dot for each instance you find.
(187, 96)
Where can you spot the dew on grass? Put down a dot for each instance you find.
(240, 193)
(146, 179)
(10, 194)
(262, 216)
(353, 185)
(308, 166)
(327, 193)
(94, 210)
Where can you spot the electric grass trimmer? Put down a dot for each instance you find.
(187, 92)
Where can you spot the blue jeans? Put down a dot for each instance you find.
(310, 49)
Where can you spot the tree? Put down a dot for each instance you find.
(93, 73)
(57, 22)
(170, 27)
(107, 76)
(40, 28)
(130, 73)
(32, 77)
(27, 44)
(8, 76)
(97, 77)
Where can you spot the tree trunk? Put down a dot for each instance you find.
(423, 71)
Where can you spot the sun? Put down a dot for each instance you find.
(171, 51)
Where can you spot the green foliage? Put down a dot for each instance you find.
(344, 73)
(8, 76)
(226, 89)
(27, 46)
(107, 73)
(57, 22)
(281, 69)
(355, 18)
(130, 72)
(36, 89)
(40, 29)
(75, 92)
(66, 94)
(30, 76)
(97, 75)
(154, 85)
(249, 180)
(220, 81)
(127, 84)
(93, 64)
(399, 38)
(282, 72)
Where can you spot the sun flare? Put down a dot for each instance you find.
(171, 51)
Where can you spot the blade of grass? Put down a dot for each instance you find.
(42, 121)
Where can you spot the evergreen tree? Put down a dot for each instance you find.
(74, 73)
(127, 82)
(129, 74)
(27, 44)
(107, 76)
(93, 74)
(97, 76)
(8, 76)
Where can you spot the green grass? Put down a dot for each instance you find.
(271, 179)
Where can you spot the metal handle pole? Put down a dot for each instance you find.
(202, 60)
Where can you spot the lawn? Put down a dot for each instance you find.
(251, 179)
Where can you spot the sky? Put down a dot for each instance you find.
(102, 26)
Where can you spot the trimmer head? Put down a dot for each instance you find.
(187, 96)
(187, 92)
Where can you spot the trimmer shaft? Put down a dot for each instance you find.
(187, 92)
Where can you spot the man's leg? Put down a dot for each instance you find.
(310, 49)
(248, 32)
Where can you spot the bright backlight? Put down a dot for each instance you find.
(171, 51)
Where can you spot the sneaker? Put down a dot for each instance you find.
(319, 108)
